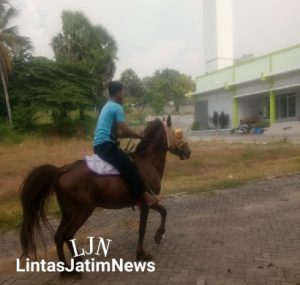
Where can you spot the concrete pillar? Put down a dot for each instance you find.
(235, 112)
(272, 107)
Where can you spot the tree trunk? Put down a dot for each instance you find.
(6, 95)
(81, 112)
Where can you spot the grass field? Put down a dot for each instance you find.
(212, 165)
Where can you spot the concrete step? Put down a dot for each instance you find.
(284, 129)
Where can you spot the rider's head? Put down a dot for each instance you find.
(115, 89)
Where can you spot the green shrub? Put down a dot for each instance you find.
(215, 119)
(23, 118)
(67, 126)
(9, 135)
(223, 120)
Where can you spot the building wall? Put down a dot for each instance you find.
(286, 80)
(280, 62)
(220, 102)
(214, 80)
(252, 88)
(252, 70)
(285, 60)
(250, 82)
(250, 106)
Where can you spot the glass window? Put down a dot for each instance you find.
(286, 106)
(292, 105)
(278, 106)
(283, 106)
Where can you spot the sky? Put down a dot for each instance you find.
(156, 34)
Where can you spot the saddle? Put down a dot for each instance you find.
(146, 170)
(99, 166)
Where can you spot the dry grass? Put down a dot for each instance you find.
(218, 165)
(212, 165)
(17, 160)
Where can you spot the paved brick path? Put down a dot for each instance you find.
(245, 235)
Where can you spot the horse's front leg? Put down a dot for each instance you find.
(161, 230)
(141, 254)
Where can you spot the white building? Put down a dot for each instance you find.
(218, 34)
(267, 86)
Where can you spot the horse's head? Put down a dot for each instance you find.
(164, 137)
(176, 143)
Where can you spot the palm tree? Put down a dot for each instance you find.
(9, 41)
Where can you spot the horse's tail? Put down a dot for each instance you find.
(35, 191)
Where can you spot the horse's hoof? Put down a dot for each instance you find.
(65, 274)
(144, 256)
(78, 259)
(77, 275)
(158, 237)
(73, 274)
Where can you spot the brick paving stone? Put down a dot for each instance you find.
(244, 235)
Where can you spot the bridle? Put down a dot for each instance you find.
(180, 152)
(166, 148)
(163, 146)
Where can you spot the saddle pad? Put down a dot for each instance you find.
(99, 166)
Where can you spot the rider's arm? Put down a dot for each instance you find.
(126, 132)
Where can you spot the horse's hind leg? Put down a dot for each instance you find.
(161, 230)
(59, 239)
(80, 218)
(141, 254)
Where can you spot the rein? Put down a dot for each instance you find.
(168, 140)
(158, 143)
(166, 148)
(163, 146)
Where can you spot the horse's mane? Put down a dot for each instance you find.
(150, 132)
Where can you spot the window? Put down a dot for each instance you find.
(292, 105)
(286, 106)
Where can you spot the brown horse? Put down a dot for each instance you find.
(79, 191)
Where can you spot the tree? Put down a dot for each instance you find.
(133, 85)
(10, 42)
(153, 97)
(91, 46)
(165, 86)
(41, 85)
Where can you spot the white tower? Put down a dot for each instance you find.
(218, 34)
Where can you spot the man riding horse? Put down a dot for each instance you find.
(110, 122)
(79, 190)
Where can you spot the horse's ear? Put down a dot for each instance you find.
(169, 121)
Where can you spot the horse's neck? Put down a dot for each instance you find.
(155, 156)
(158, 160)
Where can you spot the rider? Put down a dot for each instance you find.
(111, 120)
